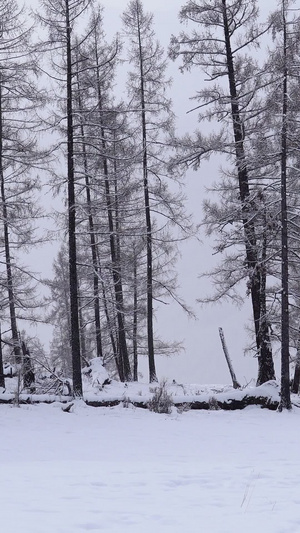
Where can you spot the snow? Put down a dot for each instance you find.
(124, 470)
(97, 372)
(98, 387)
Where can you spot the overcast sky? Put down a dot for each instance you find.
(203, 360)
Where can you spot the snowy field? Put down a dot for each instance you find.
(118, 470)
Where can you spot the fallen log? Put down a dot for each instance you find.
(235, 404)
(25, 399)
(266, 396)
(207, 405)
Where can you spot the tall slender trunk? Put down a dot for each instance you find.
(117, 225)
(135, 317)
(28, 371)
(263, 325)
(296, 380)
(117, 280)
(285, 402)
(93, 240)
(150, 333)
(9, 274)
(82, 332)
(116, 269)
(67, 360)
(111, 329)
(116, 204)
(266, 370)
(75, 335)
(2, 379)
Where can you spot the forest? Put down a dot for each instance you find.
(115, 164)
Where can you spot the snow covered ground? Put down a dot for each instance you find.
(118, 470)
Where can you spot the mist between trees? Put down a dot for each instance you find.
(119, 167)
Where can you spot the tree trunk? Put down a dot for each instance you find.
(93, 242)
(135, 317)
(296, 380)
(110, 327)
(2, 379)
(235, 382)
(116, 269)
(118, 288)
(82, 333)
(150, 333)
(285, 402)
(28, 373)
(9, 275)
(266, 370)
(75, 336)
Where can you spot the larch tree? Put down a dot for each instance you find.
(139, 27)
(60, 17)
(282, 65)
(152, 124)
(277, 143)
(224, 33)
(285, 401)
(20, 158)
(102, 131)
(58, 303)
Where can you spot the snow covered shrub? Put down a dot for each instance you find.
(96, 374)
(126, 402)
(183, 408)
(213, 404)
(162, 401)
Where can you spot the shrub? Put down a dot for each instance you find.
(162, 401)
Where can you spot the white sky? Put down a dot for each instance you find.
(203, 360)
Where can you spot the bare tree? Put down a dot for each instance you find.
(19, 159)
(100, 116)
(60, 17)
(153, 125)
(225, 29)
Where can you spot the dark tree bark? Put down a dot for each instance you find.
(74, 304)
(150, 335)
(266, 370)
(82, 336)
(92, 233)
(135, 318)
(2, 379)
(110, 325)
(118, 287)
(296, 379)
(9, 275)
(285, 402)
(123, 364)
(28, 373)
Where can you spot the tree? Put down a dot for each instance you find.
(59, 314)
(225, 31)
(60, 18)
(89, 207)
(153, 127)
(280, 127)
(285, 402)
(283, 89)
(20, 100)
(100, 117)
(110, 215)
